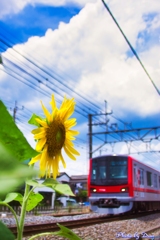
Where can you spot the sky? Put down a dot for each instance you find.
(75, 48)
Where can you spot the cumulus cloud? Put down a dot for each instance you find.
(93, 57)
(91, 50)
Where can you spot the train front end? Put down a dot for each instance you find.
(110, 185)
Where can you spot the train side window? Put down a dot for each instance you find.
(155, 181)
(141, 176)
(135, 179)
(149, 178)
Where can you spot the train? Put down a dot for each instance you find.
(118, 184)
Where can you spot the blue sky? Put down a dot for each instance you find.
(75, 48)
(35, 20)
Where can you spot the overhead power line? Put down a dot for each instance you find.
(132, 49)
(35, 64)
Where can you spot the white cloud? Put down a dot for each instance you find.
(91, 50)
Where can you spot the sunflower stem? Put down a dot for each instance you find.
(23, 212)
(55, 234)
(13, 212)
(41, 234)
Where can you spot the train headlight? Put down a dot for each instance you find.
(124, 189)
(93, 190)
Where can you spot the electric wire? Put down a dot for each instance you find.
(48, 73)
(132, 49)
(47, 79)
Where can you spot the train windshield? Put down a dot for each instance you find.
(109, 170)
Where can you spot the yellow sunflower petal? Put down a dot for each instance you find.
(69, 136)
(67, 113)
(62, 113)
(68, 142)
(49, 169)
(67, 103)
(54, 114)
(41, 122)
(70, 123)
(73, 132)
(43, 161)
(55, 165)
(37, 130)
(35, 159)
(72, 150)
(63, 103)
(62, 159)
(67, 108)
(69, 154)
(40, 135)
(46, 112)
(40, 144)
(53, 103)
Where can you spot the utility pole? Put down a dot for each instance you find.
(113, 134)
(90, 135)
(15, 109)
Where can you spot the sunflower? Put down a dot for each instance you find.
(54, 134)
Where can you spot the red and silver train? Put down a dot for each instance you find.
(118, 184)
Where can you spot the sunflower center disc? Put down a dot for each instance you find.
(55, 137)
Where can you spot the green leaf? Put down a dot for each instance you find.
(33, 200)
(13, 196)
(33, 121)
(34, 183)
(12, 138)
(12, 173)
(5, 233)
(64, 189)
(50, 182)
(58, 187)
(67, 233)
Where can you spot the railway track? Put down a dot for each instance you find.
(30, 230)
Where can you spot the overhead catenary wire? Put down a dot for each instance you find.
(48, 73)
(49, 80)
(131, 47)
(4, 42)
(40, 81)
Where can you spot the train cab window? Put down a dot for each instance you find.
(155, 181)
(102, 172)
(94, 174)
(149, 178)
(118, 169)
(109, 171)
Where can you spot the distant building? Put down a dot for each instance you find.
(48, 194)
(75, 182)
(78, 182)
(63, 178)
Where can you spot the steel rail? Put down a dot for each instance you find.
(30, 230)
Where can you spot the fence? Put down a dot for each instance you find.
(46, 209)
